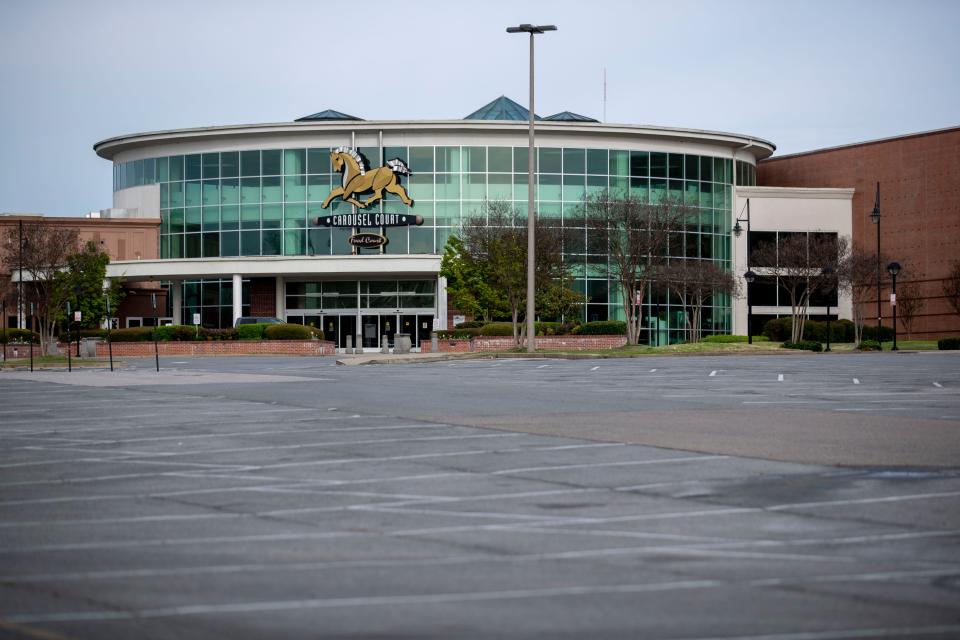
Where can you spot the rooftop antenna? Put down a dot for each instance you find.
(604, 94)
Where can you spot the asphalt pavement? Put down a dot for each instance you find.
(784, 498)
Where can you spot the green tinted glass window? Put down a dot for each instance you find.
(250, 190)
(271, 162)
(447, 186)
(596, 184)
(474, 186)
(658, 165)
(448, 159)
(573, 187)
(500, 159)
(550, 187)
(474, 159)
(211, 218)
(250, 243)
(249, 164)
(619, 164)
(230, 217)
(692, 168)
(420, 186)
(194, 166)
(192, 246)
(420, 159)
(295, 215)
(675, 162)
(318, 161)
(211, 165)
(639, 164)
(294, 162)
(294, 189)
(574, 161)
(521, 159)
(551, 160)
(318, 187)
(211, 192)
(229, 164)
(164, 196)
(193, 219)
(250, 216)
(230, 191)
(706, 169)
(194, 195)
(500, 186)
(272, 215)
(176, 221)
(272, 242)
(421, 240)
(163, 169)
(294, 241)
(230, 243)
(272, 189)
(597, 161)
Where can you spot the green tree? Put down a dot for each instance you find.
(86, 272)
(469, 283)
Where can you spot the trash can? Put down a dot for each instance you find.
(401, 343)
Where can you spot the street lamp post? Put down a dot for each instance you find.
(893, 269)
(737, 230)
(749, 276)
(828, 272)
(875, 217)
(531, 215)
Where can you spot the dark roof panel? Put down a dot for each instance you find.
(328, 114)
(569, 116)
(503, 108)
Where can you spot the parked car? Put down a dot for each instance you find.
(256, 320)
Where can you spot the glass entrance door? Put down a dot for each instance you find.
(346, 326)
(370, 325)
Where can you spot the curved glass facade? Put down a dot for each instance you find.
(259, 202)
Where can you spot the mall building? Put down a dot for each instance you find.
(341, 222)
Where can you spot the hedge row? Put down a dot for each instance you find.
(805, 345)
(727, 339)
(467, 330)
(189, 333)
(779, 330)
(948, 344)
(19, 336)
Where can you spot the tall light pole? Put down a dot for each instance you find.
(749, 277)
(875, 217)
(531, 215)
(893, 269)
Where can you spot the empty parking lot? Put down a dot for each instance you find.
(726, 497)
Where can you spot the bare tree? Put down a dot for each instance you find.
(636, 235)
(797, 262)
(498, 240)
(857, 274)
(951, 287)
(909, 303)
(695, 282)
(46, 282)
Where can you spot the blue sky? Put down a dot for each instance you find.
(803, 75)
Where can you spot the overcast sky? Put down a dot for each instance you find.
(804, 74)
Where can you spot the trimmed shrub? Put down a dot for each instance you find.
(473, 324)
(870, 333)
(19, 336)
(132, 334)
(603, 328)
(726, 339)
(291, 332)
(805, 345)
(555, 328)
(869, 345)
(218, 334)
(948, 344)
(497, 329)
(90, 333)
(251, 331)
(176, 333)
(779, 330)
(458, 334)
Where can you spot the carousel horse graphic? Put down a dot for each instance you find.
(357, 180)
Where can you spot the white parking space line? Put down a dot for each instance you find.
(653, 370)
(938, 385)
(713, 373)
(543, 366)
(779, 377)
(856, 381)
(594, 368)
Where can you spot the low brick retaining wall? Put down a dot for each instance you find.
(505, 343)
(20, 351)
(221, 348)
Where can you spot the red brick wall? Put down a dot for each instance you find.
(505, 343)
(919, 179)
(221, 348)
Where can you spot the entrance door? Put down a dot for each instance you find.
(371, 331)
(408, 325)
(346, 326)
(331, 328)
(388, 327)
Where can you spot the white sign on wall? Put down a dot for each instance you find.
(893, 299)
(459, 320)
(196, 318)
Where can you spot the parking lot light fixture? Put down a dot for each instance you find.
(749, 277)
(893, 269)
(828, 272)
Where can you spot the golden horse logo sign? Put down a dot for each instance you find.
(358, 180)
